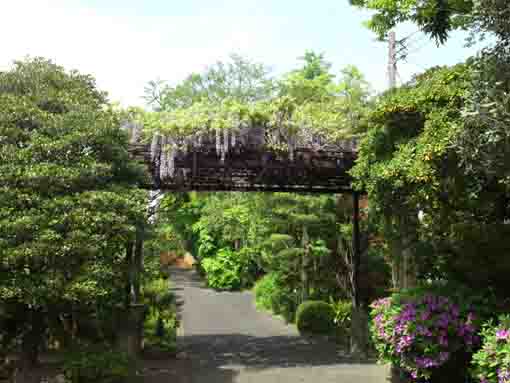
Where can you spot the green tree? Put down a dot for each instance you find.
(67, 205)
(237, 79)
(436, 18)
(439, 207)
(312, 82)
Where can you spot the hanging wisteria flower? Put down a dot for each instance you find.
(421, 331)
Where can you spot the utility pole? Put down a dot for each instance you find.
(392, 60)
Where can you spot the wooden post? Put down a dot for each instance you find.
(359, 316)
(356, 250)
(305, 284)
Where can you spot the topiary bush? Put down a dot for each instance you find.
(491, 364)
(315, 317)
(98, 366)
(429, 333)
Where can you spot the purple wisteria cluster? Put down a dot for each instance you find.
(421, 333)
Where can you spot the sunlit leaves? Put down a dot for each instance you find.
(67, 206)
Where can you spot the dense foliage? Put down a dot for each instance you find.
(303, 103)
(271, 293)
(67, 206)
(342, 318)
(437, 18)
(90, 366)
(315, 317)
(491, 364)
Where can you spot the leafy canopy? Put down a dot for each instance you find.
(67, 205)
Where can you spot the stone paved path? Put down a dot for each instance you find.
(224, 339)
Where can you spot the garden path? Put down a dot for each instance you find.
(224, 339)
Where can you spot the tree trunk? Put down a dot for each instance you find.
(137, 265)
(395, 247)
(131, 329)
(129, 338)
(403, 265)
(30, 344)
(129, 268)
(403, 270)
(409, 277)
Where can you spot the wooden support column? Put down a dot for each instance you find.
(359, 315)
(356, 250)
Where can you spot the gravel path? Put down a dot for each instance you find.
(224, 339)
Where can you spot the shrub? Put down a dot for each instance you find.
(231, 270)
(157, 293)
(220, 275)
(223, 271)
(272, 295)
(160, 324)
(491, 364)
(265, 289)
(160, 331)
(315, 317)
(342, 310)
(342, 319)
(284, 302)
(93, 366)
(424, 331)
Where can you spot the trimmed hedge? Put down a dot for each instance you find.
(315, 317)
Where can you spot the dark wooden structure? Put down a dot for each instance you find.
(251, 168)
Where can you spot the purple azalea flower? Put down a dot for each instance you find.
(422, 330)
(455, 310)
(425, 362)
(383, 302)
(502, 334)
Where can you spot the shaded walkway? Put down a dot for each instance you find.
(224, 339)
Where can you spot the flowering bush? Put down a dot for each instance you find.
(491, 364)
(421, 330)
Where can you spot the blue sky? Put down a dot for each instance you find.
(125, 43)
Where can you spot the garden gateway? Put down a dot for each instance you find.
(253, 157)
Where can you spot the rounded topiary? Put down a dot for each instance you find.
(315, 317)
